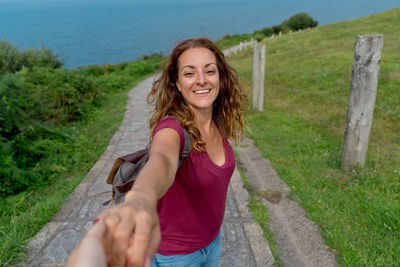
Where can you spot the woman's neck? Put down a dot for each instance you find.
(203, 121)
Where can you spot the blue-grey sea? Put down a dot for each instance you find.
(85, 32)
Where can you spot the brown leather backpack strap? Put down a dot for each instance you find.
(124, 188)
(114, 170)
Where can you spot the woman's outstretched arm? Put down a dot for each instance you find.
(132, 227)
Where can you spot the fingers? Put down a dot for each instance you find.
(111, 220)
(154, 242)
(97, 231)
(147, 263)
(121, 236)
(139, 217)
(144, 242)
(90, 252)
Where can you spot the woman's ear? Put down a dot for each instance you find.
(178, 85)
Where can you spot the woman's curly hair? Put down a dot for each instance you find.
(228, 108)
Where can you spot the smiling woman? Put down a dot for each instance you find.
(176, 212)
(192, 64)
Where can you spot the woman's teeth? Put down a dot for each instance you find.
(202, 91)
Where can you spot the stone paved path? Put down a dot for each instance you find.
(243, 244)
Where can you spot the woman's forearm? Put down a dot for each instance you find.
(155, 178)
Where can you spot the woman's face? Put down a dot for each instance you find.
(198, 78)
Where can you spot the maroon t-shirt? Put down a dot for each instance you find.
(192, 210)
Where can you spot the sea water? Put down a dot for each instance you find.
(85, 32)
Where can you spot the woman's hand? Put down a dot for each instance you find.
(132, 230)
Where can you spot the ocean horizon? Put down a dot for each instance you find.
(90, 32)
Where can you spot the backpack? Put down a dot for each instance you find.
(126, 168)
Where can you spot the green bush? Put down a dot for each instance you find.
(37, 105)
(299, 21)
(266, 32)
(258, 37)
(12, 60)
(277, 29)
(34, 106)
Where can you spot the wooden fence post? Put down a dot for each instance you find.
(258, 77)
(367, 56)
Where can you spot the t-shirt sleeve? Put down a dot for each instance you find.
(170, 122)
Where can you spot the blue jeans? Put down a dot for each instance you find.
(206, 257)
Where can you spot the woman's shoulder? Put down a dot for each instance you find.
(168, 122)
(172, 123)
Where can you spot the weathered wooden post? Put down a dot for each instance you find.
(258, 76)
(367, 56)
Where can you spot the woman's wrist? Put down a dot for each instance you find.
(136, 194)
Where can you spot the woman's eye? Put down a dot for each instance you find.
(211, 71)
(188, 74)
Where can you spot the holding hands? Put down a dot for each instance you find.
(127, 234)
(138, 215)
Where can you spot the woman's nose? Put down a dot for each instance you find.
(201, 78)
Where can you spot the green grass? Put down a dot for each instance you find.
(23, 215)
(308, 77)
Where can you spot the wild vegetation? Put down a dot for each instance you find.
(13, 60)
(54, 125)
(301, 130)
(296, 22)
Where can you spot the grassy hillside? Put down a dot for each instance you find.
(307, 85)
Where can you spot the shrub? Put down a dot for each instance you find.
(277, 29)
(258, 37)
(152, 55)
(266, 32)
(37, 107)
(12, 60)
(34, 106)
(299, 21)
(94, 70)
